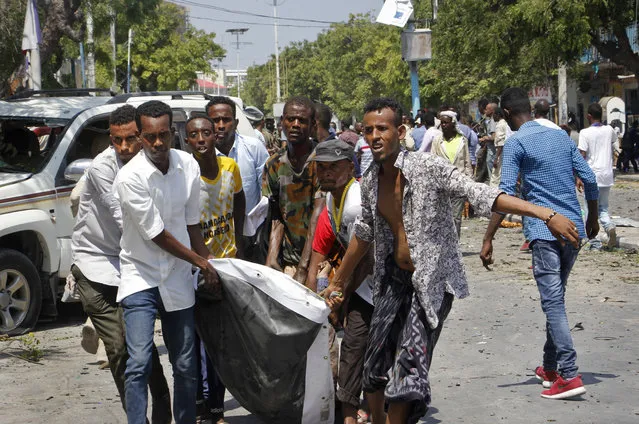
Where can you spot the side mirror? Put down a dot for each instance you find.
(76, 169)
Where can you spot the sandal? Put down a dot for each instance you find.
(362, 417)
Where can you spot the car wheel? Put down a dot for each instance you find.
(20, 293)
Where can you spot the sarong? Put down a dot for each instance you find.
(401, 343)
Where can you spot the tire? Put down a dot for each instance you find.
(20, 293)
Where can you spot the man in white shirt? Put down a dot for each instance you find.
(159, 196)
(96, 249)
(596, 144)
(249, 153)
(431, 132)
(542, 108)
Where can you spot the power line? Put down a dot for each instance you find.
(240, 12)
(257, 23)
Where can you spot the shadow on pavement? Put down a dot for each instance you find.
(588, 378)
(69, 315)
(429, 419)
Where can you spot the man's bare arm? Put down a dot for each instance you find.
(561, 227)
(486, 253)
(275, 245)
(305, 259)
(313, 268)
(356, 250)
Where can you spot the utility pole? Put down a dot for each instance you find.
(237, 32)
(114, 85)
(90, 50)
(277, 55)
(128, 62)
(562, 95)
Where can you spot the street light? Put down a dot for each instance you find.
(237, 32)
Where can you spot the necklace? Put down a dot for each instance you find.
(338, 214)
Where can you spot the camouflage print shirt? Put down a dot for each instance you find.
(291, 198)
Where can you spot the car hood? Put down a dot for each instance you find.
(7, 178)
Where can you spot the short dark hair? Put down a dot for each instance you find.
(498, 112)
(595, 111)
(323, 115)
(122, 115)
(383, 103)
(221, 100)
(300, 101)
(153, 109)
(429, 119)
(482, 103)
(542, 107)
(198, 116)
(515, 99)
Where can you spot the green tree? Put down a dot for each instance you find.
(481, 47)
(167, 51)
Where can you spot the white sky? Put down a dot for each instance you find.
(262, 36)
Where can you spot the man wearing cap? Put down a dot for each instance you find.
(453, 146)
(335, 229)
(273, 135)
(256, 118)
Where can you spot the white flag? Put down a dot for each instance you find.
(31, 35)
(31, 38)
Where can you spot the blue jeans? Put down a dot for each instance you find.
(178, 330)
(604, 217)
(551, 266)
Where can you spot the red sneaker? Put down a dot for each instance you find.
(525, 247)
(564, 389)
(546, 377)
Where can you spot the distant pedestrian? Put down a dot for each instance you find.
(502, 132)
(431, 132)
(453, 146)
(596, 144)
(541, 111)
(629, 148)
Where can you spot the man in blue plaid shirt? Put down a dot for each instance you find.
(547, 160)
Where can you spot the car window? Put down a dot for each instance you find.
(92, 139)
(26, 144)
(179, 124)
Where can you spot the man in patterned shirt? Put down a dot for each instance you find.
(547, 160)
(418, 263)
(291, 185)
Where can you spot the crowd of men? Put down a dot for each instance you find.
(368, 217)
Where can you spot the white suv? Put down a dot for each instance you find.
(47, 139)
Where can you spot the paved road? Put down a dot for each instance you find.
(483, 366)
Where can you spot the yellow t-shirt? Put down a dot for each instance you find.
(216, 206)
(452, 146)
